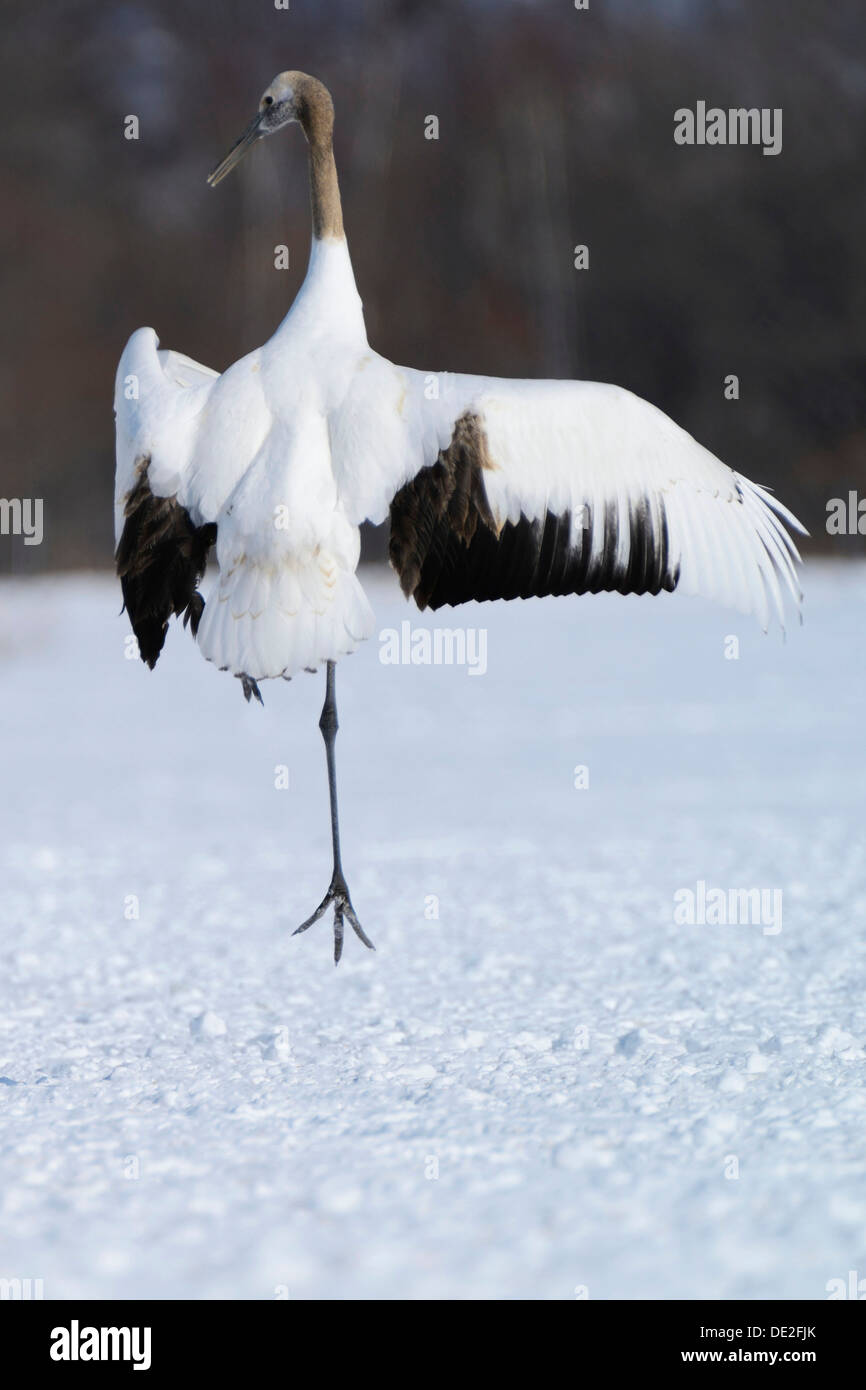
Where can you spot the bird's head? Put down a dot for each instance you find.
(291, 97)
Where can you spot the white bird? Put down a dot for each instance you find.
(495, 488)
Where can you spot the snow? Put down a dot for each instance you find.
(548, 1089)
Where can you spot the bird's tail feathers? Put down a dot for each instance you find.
(275, 619)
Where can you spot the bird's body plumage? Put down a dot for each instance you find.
(248, 451)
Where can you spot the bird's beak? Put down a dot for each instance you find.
(252, 133)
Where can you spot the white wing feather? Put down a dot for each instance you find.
(158, 398)
(564, 446)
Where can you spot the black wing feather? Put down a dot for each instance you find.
(160, 559)
(446, 547)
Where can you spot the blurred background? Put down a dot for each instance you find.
(555, 129)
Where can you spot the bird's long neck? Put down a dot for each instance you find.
(328, 298)
(317, 121)
(325, 190)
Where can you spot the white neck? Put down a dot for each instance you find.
(329, 297)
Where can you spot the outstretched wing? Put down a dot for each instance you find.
(162, 538)
(506, 489)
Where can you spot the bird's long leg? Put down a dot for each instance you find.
(338, 893)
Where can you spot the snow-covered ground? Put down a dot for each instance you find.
(550, 1086)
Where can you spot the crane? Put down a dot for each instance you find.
(493, 488)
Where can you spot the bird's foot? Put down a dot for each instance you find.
(250, 688)
(338, 894)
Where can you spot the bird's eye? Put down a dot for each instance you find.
(269, 101)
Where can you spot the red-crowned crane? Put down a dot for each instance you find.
(494, 489)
